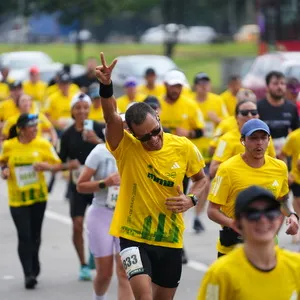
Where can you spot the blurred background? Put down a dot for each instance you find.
(219, 37)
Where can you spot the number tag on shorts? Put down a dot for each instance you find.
(75, 174)
(132, 262)
(112, 196)
(26, 176)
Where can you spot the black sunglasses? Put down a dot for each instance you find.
(256, 214)
(245, 112)
(147, 137)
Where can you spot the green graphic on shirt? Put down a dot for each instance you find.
(159, 235)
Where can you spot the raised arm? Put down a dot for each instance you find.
(114, 123)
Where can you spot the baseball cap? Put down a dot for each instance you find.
(130, 82)
(152, 101)
(15, 84)
(64, 78)
(34, 70)
(254, 125)
(80, 97)
(174, 77)
(249, 195)
(246, 94)
(27, 120)
(201, 76)
(150, 71)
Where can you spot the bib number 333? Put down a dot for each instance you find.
(132, 263)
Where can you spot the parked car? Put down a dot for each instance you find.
(263, 64)
(136, 65)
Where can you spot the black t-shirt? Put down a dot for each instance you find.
(280, 119)
(85, 81)
(74, 147)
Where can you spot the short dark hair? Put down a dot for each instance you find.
(137, 113)
(237, 108)
(234, 78)
(275, 74)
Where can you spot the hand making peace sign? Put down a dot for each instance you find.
(103, 72)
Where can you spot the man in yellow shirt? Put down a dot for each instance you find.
(35, 87)
(4, 83)
(148, 214)
(241, 171)
(259, 270)
(131, 95)
(150, 87)
(230, 95)
(229, 144)
(96, 112)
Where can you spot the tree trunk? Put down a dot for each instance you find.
(79, 42)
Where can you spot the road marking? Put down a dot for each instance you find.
(8, 277)
(195, 265)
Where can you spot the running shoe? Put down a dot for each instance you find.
(91, 264)
(198, 226)
(85, 273)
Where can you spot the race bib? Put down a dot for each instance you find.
(278, 144)
(132, 262)
(112, 196)
(209, 129)
(26, 176)
(75, 174)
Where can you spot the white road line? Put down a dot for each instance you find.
(195, 265)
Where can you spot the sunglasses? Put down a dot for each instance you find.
(246, 112)
(147, 137)
(256, 214)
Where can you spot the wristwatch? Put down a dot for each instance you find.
(194, 198)
(102, 184)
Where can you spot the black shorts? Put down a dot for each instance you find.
(78, 202)
(162, 264)
(295, 187)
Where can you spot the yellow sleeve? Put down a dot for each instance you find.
(215, 286)
(223, 151)
(220, 187)
(285, 185)
(6, 127)
(195, 160)
(45, 123)
(287, 149)
(5, 152)
(196, 118)
(271, 149)
(49, 153)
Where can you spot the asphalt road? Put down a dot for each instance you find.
(58, 280)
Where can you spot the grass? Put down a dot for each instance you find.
(190, 58)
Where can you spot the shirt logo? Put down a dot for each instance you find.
(175, 166)
(275, 183)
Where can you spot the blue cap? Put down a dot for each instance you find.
(130, 82)
(254, 125)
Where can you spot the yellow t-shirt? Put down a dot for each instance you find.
(234, 175)
(43, 125)
(54, 88)
(37, 90)
(213, 103)
(230, 102)
(26, 186)
(224, 126)
(230, 145)
(183, 113)
(8, 108)
(96, 114)
(149, 178)
(233, 277)
(59, 106)
(123, 101)
(4, 91)
(158, 91)
(292, 148)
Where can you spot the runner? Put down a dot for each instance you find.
(281, 115)
(44, 126)
(148, 215)
(96, 112)
(77, 142)
(101, 165)
(254, 271)
(229, 144)
(241, 171)
(292, 91)
(4, 82)
(27, 190)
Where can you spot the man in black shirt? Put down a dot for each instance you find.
(281, 115)
(84, 81)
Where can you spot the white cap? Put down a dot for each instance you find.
(80, 97)
(174, 77)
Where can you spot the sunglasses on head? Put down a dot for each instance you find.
(147, 137)
(256, 214)
(245, 112)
